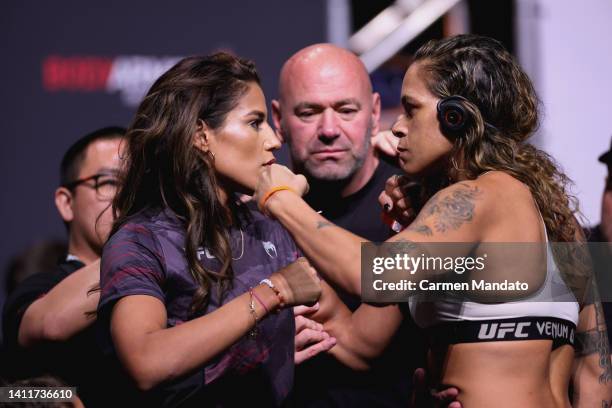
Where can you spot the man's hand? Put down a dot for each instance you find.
(386, 143)
(310, 338)
(422, 396)
(298, 283)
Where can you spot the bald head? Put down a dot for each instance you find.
(327, 113)
(323, 63)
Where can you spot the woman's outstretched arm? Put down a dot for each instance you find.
(449, 216)
(362, 335)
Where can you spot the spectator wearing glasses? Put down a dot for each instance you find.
(88, 183)
(47, 324)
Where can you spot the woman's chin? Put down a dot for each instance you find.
(423, 170)
(410, 169)
(237, 186)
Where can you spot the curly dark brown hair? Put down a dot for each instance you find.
(503, 108)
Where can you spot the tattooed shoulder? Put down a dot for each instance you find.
(595, 341)
(420, 229)
(449, 210)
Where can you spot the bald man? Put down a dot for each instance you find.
(327, 114)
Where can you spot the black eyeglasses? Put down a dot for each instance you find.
(105, 185)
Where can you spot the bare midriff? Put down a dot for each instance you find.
(506, 374)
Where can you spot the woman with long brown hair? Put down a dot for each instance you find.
(468, 112)
(190, 277)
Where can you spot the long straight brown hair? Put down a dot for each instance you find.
(163, 169)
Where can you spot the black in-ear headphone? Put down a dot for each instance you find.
(452, 114)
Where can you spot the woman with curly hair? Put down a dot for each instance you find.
(468, 112)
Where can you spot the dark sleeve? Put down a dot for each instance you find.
(26, 293)
(132, 264)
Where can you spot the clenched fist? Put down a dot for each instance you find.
(298, 283)
(274, 176)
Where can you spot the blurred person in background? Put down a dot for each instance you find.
(602, 233)
(47, 319)
(42, 382)
(40, 257)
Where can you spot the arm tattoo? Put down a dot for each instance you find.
(451, 211)
(421, 229)
(596, 341)
(587, 342)
(404, 246)
(604, 345)
(323, 224)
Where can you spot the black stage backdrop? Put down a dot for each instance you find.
(70, 67)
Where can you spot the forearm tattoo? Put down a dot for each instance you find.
(449, 211)
(323, 224)
(596, 341)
